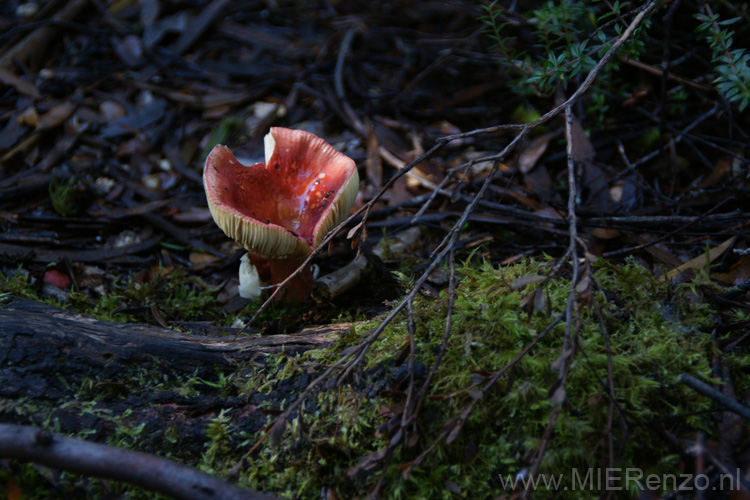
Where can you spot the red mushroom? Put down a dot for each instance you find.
(281, 209)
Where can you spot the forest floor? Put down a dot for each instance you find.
(574, 299)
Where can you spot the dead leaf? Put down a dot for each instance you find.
(605, 233)
(368, 462)
(718, 173)
(526, 280)
(539, 182)
(138, 120)
(540, 301)
(532, 151)
(176, 23)
(740, 270)
(700, 261)
(277, 432)
(22, 86)
(29, 117)
(10, 134)
(198, 25)
(558, 397)
(353, 231)
(56, 115)
(111, 110)
(583, 150)
(129, 49)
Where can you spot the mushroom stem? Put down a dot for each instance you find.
(275, 271)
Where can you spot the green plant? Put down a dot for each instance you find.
(569, 37)
(63, 196)
(731, 65)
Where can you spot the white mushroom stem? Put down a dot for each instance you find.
(338, 282)
(250, 283)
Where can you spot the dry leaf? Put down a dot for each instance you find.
(22, 86)
(532, 151)
(700, 261)
(605, 233)
(523, 281)
(718, 173)
(56, 115)
(740, 270)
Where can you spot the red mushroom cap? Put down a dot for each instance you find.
(284, 207)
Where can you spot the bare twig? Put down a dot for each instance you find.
(668, 235)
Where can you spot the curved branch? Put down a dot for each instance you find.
(148, 471)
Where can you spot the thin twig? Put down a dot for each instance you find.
(668, 235)
(721, 398)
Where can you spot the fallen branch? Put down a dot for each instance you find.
(147, 471)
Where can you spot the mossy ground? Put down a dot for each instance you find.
(648, 331)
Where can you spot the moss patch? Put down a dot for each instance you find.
(654, 332)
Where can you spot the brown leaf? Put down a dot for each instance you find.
(539, 182)
(720, 170)
(22, 86)
(29, 117)
(532, 151)
(526, 280)
(740, 270)
(583, 150)
(368, 462)
(198, 25)
(277, 432)
(56, 115)
(700, 261)
(605, 233)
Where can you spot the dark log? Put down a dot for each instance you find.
(47, 355)
(32, 333)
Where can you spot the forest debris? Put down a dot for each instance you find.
(139, 119)
(720, 170)
(22, 86)
(198, 25)
(533, 150)
(700, 261)
(332, 285)
(34, 44)
(77, 455)
(95, 255)
(56, 115)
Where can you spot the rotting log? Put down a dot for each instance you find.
(32, 332)
(55, 363)
(39, 344)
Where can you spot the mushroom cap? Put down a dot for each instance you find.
(286, 206)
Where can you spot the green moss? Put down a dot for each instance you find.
(655, 332)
